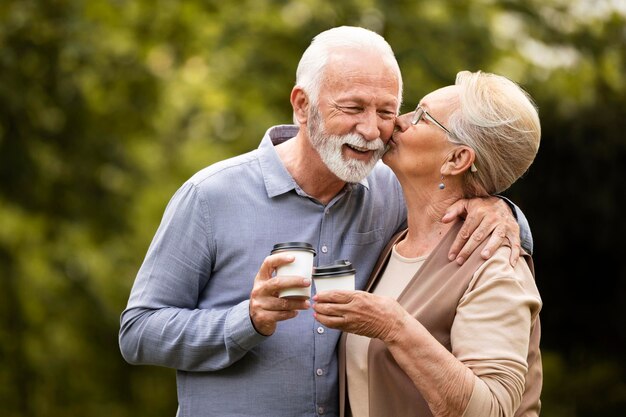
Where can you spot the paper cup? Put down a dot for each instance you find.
(338, 276)
(302, 266)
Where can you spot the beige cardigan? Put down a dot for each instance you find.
(442, 284)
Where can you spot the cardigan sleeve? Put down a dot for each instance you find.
(491, 332)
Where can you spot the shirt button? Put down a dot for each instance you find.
(319, 372)
(320, 330)
(320, 410)
(324, 248)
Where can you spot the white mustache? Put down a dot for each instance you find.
(358, 141)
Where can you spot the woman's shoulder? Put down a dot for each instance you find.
(498, 267)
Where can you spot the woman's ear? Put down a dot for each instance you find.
(459, 160)
(300, 103)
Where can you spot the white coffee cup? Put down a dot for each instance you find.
(340, 275)
(302, 266)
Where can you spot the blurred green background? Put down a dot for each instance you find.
(106, 107)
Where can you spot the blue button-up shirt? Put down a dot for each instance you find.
(188, 308)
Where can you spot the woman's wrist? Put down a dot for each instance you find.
(399, 329)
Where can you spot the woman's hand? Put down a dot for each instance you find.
(360, 313)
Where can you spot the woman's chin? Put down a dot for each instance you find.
(389, 156)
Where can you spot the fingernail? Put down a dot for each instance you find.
(452, 256)
(460, 260)
(306, 281)
(485, 253)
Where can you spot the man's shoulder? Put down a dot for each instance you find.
(381, 168)
(235, 168)
(382, 176)
(247, 166)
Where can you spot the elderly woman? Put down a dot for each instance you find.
(432, 337)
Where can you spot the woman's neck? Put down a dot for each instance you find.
(425, 209)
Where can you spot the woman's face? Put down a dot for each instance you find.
(418, 151)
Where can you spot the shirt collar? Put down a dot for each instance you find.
(276, 177)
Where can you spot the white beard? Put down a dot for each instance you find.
(329, 148)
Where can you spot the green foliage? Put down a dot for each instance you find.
(106, 107)
(586, 385)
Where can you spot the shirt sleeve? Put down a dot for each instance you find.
(162, 324)
(526, 236)
(491, 333)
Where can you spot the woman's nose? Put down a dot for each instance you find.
(403, 122)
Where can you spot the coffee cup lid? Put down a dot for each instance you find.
(293, 246)
(339, 267)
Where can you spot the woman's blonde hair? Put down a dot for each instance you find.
(500, 122)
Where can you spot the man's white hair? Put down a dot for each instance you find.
(310, 72)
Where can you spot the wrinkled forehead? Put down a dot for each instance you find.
(442, 100)
(361, 64)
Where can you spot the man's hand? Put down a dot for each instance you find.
(266, 308)
(483, 216)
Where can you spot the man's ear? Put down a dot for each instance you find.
(300, 103)
(459, 160)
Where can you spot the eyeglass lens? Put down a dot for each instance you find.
(417, 115)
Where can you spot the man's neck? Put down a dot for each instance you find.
(308, 170)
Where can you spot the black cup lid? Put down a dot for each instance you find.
(293, 245)
(340, 267)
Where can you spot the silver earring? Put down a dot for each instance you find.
(441, 184)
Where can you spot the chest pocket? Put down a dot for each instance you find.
(365, 238)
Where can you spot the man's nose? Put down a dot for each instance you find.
(368, 126)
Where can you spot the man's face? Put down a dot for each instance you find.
(356, 113)
(330, 149)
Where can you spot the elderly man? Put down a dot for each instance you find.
(196, 306)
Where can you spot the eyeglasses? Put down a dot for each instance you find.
(420, 112)
(417, 116)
